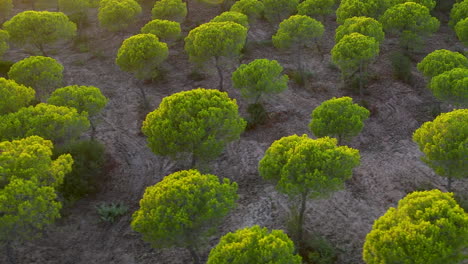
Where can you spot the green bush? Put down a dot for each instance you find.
(88, 157)
(109, 212)
(257, 115)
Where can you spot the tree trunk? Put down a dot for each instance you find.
(93, 129)
(220, 74)
(299, 65)
(300, 220)
(193, 163)
(319, 50)
(143, 95)
(188, 9)
(41, 48)
(449, 184)
(361, 94)
(340, 139)
(194, 254)
(10, 253)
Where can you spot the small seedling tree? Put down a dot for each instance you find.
(339, 118)
(43, 74)
(305, 168)
(198, 122)
(427, 227)
(14, 96)
(254, 245)
(183, 210)
(215, 40)
(39, 28)
(443, 142)
(353, 53)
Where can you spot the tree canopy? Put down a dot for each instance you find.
(440, 61)
(174, 10)
(116, 15)
(39, 28)
(459, 11)
(199, 122)
(338, 117)
(29, 176)
(254, 245)
(184, 209)
(76, 10)
(315, 8)
(443, 142)
(141, 55)
(303, 168)
(232, 16)
(276, 11)
(251, 8)
(43, 74)
(258, 77)
(57, 123)
(410, 21)
(4, 37)
(163, 29)
(461, 29)
(427, 227)
(357, 8)
(367, 26)
(14, 96)
(87, 99)
(6, 6)
(451, 86)
(216, 40)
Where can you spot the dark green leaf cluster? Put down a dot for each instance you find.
(459, 12)
(427, 227)
(4, 37)
(315, 8)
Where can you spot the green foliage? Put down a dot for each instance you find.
(365, 25)
(28, 177)
(4, 37)
(88, 162)
(314, 8)
(353, 52)
(430, 4)
(297, 31)
(141, 55)
(39, 28)
(215, 39)
(254, 245)
(174, 10)
(440, 61)
(259, 77)
(459, 11)
(199, 122)
(359, 8)
(338, 117)
(116, 15)
(451, 86)
(6, 6)
(43, 74)
(57, 123)
(164, 29)
(76, 10)
(251, 8)
(257, 115)
(443, 142)
(401, 65)
(427, 227)
(276, 11)
(461, 29)
(183, 209)
(320, 250)
(232, 16)
(83, 98)
(31, 159)
(108, 213)
(300, 165)
(14, 96)
(410, 21)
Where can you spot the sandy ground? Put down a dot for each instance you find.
(390, 165)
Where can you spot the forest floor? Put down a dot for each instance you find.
(390, 161)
